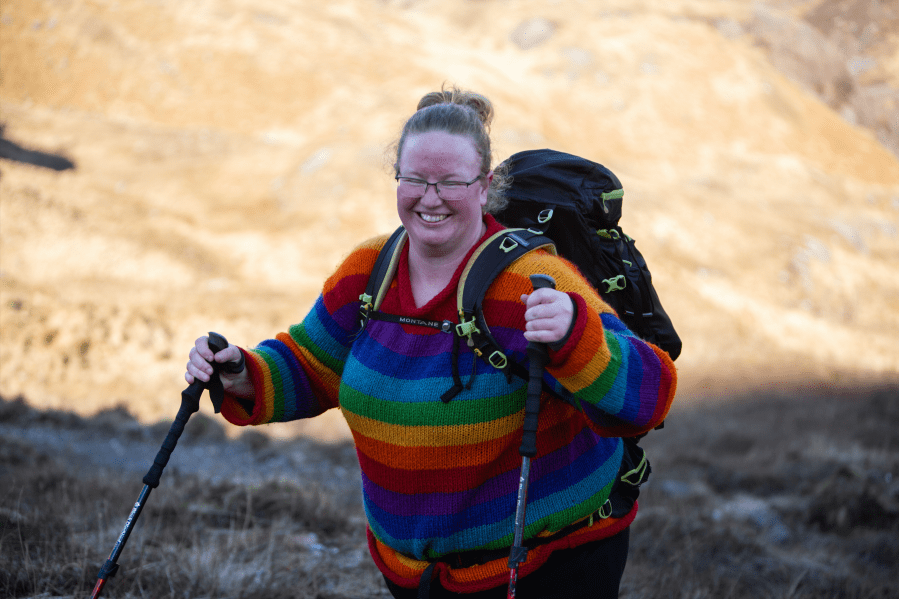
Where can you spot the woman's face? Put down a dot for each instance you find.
(439, 227)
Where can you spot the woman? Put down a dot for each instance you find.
(440, 478)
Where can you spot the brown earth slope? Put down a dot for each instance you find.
(228, 154)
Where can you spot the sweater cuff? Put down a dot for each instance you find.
(241, 410)
(561, 349)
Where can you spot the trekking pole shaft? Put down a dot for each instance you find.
(110, 568)
(521, 509)
(538, 357)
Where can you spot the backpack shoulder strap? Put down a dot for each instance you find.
(491, 258)
(382, 274)
(487, 262)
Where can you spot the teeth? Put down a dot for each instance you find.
(432, 218)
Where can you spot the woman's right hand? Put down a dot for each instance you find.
(199, 368)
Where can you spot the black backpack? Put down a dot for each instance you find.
(577, 203)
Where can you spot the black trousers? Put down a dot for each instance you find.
(591, 571)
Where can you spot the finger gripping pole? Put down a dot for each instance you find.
(218, 343)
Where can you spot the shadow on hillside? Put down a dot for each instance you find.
(777, 494)
(13, 151)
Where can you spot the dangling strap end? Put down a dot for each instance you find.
(452, 392)
(424, 584)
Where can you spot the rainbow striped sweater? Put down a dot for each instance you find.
(438, 477)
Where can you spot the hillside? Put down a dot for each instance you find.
(227, 154)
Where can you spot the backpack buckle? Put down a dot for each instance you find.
(508, 247)
(467, 328)
(544, 216)
(498, 360)
(615, 283)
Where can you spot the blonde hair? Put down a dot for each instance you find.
(459, 112)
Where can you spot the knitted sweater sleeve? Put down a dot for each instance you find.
(623, 385)
(297, 374)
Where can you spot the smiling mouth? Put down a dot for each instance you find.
(432, 218)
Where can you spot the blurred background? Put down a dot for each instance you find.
(170, 168)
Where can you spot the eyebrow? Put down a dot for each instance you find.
(418, 175)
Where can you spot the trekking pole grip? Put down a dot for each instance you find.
(190, 403)
(538, 357)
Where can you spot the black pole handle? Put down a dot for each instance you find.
(217, 343)
(537, 359)
(190, 403)
(541, 281)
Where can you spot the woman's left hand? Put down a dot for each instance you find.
(548, 316)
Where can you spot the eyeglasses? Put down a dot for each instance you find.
(446, 190)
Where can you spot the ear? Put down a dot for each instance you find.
(488, 178)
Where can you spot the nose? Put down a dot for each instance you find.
(433, 194)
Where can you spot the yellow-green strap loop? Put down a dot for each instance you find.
(508, 244)
(606, 510)
(635, 477)
(544, 216)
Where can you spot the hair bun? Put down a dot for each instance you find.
(454, 95)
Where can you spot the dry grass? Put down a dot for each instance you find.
(197, 537)
(782, 496)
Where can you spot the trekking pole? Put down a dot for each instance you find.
(190, 403)
(538, 357)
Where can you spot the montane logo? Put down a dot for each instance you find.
(421, 323)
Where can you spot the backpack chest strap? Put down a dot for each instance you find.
(489, 259)
(446, 326)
